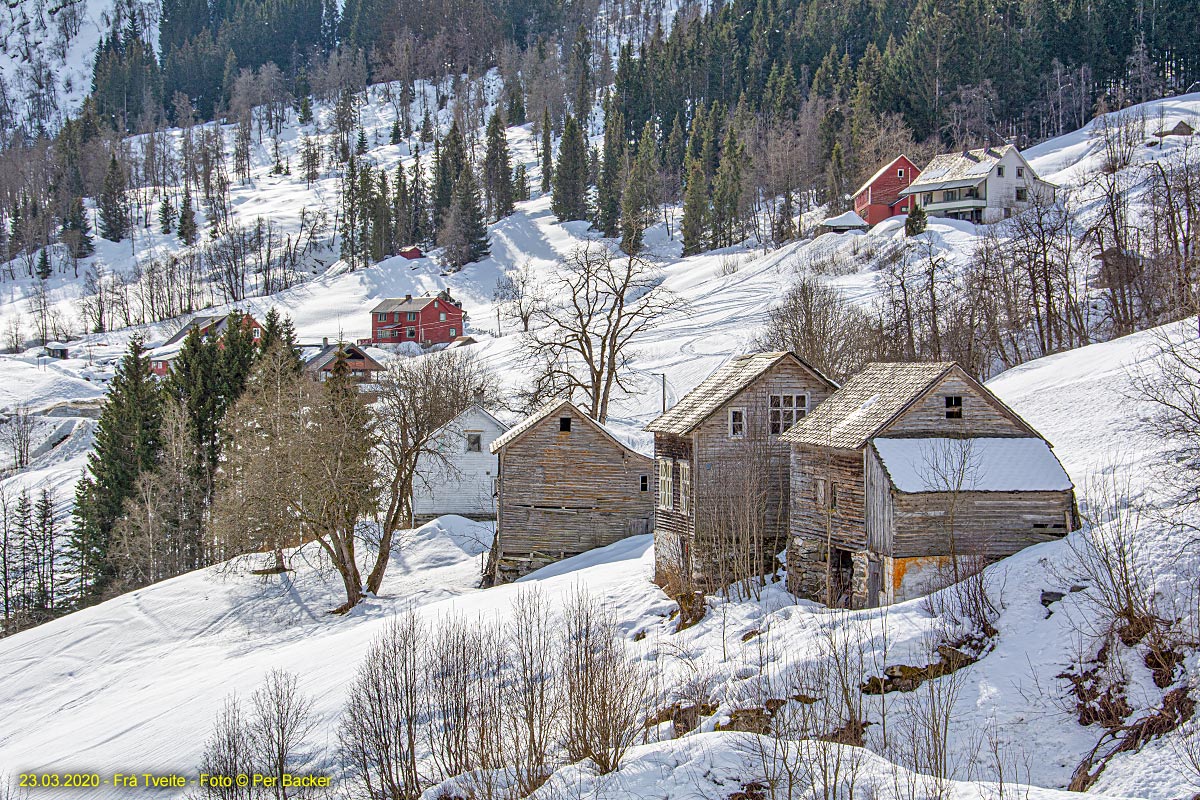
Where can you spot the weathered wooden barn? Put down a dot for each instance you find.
(721, 469)
(566, 486)
(911, 474)
(458, 473)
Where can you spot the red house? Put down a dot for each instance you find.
(412, 253)
(433, 319)
(879, 198)
(161, 357)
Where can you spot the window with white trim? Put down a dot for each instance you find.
(412, 316)
(442, 316)
(474, 442)
(665, 489)
(737, 423)
(412, 333)
(453, 332)
(685, 487)
(786, 410)
(382, 317)
(1020, 172)
(900, 172)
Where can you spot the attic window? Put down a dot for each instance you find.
(953, 407)
(900, 172)
(1020, 172)
(737, 423)
(1000, 171)
(474, 442)
(564, 424)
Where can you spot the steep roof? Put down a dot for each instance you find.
(885, 168)
(548, 410)
(325, 356)
(866, 404)
(392, 304)
(951, 170)
(721, 386)
(980, 464)
(473, 408)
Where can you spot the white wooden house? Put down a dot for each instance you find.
(459, 476)
(984, 185)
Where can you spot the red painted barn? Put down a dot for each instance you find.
(433, 319)
(215, 326)
(412, 253)
(879, 198)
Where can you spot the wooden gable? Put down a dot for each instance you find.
(957, 405)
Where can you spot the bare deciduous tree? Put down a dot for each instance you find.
(818, 324)
(582, 339)
(16, 432)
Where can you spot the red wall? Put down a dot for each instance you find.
(428, 325)
(885, 192)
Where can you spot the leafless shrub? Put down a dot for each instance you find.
(1187, 750)
(604, 690)
(533, 692)
(16, 432)
(10, 790)
(379, 731)
(229, 751)
(729, 266)
(282, 721)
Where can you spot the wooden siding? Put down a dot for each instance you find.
(563, 493)
(981, 416)
(808, 517)
(986, 524)
(879, 508)
(672, 530)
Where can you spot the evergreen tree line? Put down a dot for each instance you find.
(30, 538)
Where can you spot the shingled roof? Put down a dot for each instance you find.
(951, 170)
(866, 404)
(720, 387)
(548, 410)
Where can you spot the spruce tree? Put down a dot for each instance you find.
(44, 270)
(278, 329)
(126, 444)
(420, 227)
(640, 200)
(570, 201)
(695, 209)
(547, 152)
(465, 234)
(305, 115)
(520, 183)
(916, 222)
(784, 224)
(497, 170)
(166, 215)
(449, 156)
(114, 207)
(360, 145)
(612, 165)
(728, 191)
(77, 231)
(397, 136)
(402, 221)
(187, 219)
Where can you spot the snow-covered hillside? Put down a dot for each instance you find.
(140, 678)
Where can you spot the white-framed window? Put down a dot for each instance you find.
(1022, 195)
(737, 423)
(396, 316)
(412, 333)
(786, 410)
(442, 316)
(474, 442)
(1000, 171)
(382, 317)
(1020, 172)
(900, 172)
(685, 487)
(665, 489)
(927, 199)
(453, 332)
(412, 316)
(258, 333)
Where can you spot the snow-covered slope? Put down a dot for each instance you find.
(139, 678)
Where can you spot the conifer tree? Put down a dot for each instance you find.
(520, 183)
(166, 215)
(673, 161)
(77, 231)
(44, 270)
(640, 200)
(497, 171)
(420, 228)
(547, 152)
(126, 444)
(305, 115)
(402, 221)
(114, 207)
(187, 219)
(449, 156)
(278, 329)
(695, 209)
(465, 235)
(728, 191)
(397, 136)
(360, 145)
(612, 164)
(916, 222)
(570, 201)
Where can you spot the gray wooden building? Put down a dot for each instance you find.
(912, 473)
(566, 485)
(721, 470)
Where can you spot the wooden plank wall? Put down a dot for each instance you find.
(988, 524)
(927, 417)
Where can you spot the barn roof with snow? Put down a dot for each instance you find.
(846, 222)
(721, 386)
(1005, 464)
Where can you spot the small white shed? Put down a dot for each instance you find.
(459, 476)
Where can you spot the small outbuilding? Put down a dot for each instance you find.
(843, 223)
(567, 485)
(1181, 128)
(911, 475)
(55, 350)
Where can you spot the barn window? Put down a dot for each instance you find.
(564, 424)
(685, 488)
(786, 410)
(644, 483)
(953, 406)
(819, 492)
(474, 442)
(664, 483)
(833, 496)
(737, 423)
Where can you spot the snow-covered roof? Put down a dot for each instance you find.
(972, 465)
(847, 220)
(721, 386)
(952, 170)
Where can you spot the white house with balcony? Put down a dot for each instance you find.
(981, 186)
(457, 474)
